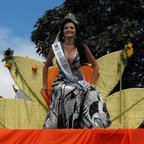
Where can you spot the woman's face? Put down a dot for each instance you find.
(69, 30)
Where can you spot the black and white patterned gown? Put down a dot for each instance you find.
(72, 106)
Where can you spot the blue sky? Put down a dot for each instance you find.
(21, 15)
(17, 18)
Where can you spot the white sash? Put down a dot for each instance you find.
(64, 65)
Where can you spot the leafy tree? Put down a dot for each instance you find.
(106, 26)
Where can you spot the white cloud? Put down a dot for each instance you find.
(21, 46)
(6, 82)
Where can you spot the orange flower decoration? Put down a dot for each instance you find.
(34, 68)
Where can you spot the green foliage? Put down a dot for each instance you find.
(106, 26)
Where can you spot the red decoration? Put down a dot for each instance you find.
(34, 68)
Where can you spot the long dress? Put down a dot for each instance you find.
(72, 106)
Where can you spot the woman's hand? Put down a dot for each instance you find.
(93, 85)
(45, 89)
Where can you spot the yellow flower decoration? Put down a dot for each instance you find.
(8, 54)
(7, 65)
(126, 53)
(130, 50)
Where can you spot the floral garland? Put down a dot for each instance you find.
(8, 56)
(126, 53)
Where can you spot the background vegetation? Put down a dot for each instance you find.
(106, 26)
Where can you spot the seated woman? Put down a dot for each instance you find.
(74, 102)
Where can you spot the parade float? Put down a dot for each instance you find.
(21, 121)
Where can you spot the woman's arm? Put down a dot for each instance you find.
(94, 64)
(45, 68)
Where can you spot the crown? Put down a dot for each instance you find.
(72, 17)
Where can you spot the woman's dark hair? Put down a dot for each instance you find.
(78, 40)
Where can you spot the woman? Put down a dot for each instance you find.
(74, 102)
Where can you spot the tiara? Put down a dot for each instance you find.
(72, 17)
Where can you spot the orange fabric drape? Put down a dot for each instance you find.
(72, 136)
